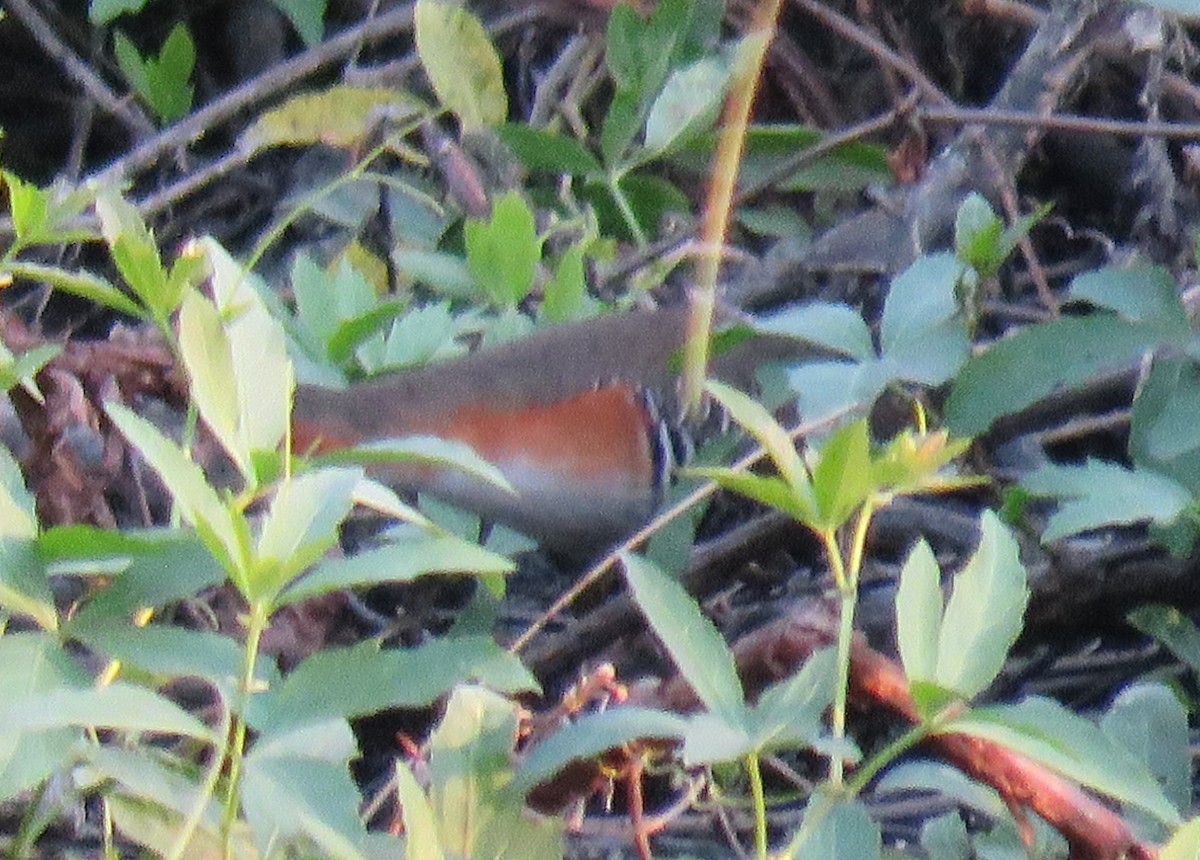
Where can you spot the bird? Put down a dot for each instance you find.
(583, 419)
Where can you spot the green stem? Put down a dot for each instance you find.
(627, 214)
(754, 771)
(255, 627)
(207, 788)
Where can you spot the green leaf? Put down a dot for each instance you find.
(21, 370)
(420, 828)
(209, 362)
(1163, 433)
(768, 432)
(503, 251)
(263, 375)
(298, 796)
(152, 779)
(789, 712)
(354, 333)
(1047, 732)
(546, 151)
(106, 11)
(985, 612)
(1150, 721)
(841, 480)
(18, 514)
(197, 501)
(352, 682)
(25, 584)
(565, 295)
(689, 102)
(1019, 370)
(135, 254)
(339, 116)
(135, 562)
(117, 706)
(977, 230)
(461, 63)
(307, 16)
(164, 651)
(1172, 628)
(33, 665)
(919, 613)
(695, 645)
(402, 560)
(446, 274)
(1185, 843)
(596, 733)
(161, 81)
(1143, 294)
(420, 451)
(301, 525)
(845, 832)
(767, 489)
(479, 810)
(423, 334)
(838, 327)
(1101, 493)
(79, 283)
(923, 337)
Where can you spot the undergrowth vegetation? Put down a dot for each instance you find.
(258, 764)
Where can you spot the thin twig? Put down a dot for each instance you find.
(274, 80)
(1058, 122)
(850, 31)
(80, 72)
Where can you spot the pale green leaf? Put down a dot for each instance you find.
(593, 734)
(263, 374)
(292, 797)
(503, 251)
(25, 583)
(18, 516)
(919, 613)
(1047, 732)
(1101, 493)
(209, 362)
(33, 665)
(1150, 721)
(403, 560)
(302, 524)
(420, 828)
(479, 809)
(199, 503)
(985, 612)
(763, 427)
(689, 102)
(117, 706)
(340, 116)
(359, 680)
(1184, 844)
(695, 645)
(461, 63)
(838, 327)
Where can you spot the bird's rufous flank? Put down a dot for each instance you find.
(577, 417)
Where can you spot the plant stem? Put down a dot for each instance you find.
(846, 578)
(627, 213)
(754, 771)
(731, 142)
(257, 623)
(207, 788)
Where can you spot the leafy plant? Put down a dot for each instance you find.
(163, 80)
